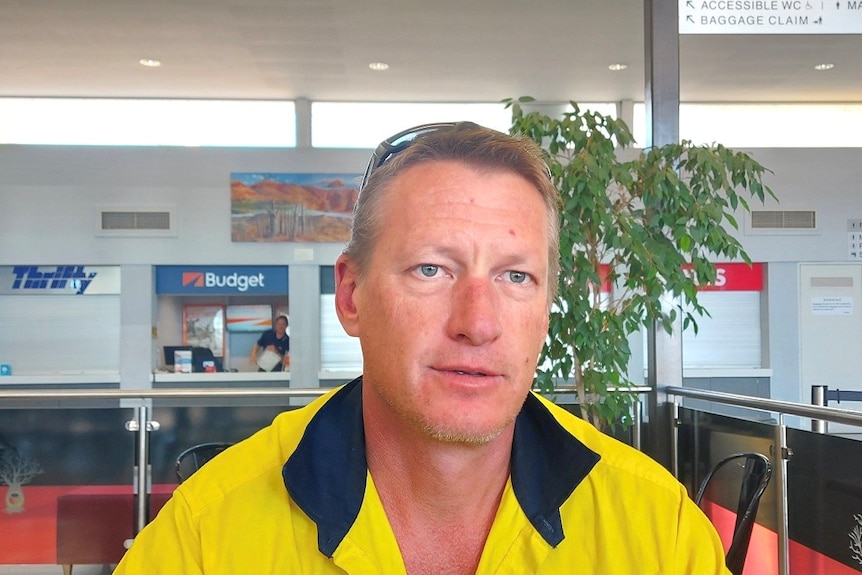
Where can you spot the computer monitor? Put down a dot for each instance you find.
(205, 354)
(169, 352)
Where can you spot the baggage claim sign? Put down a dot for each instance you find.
(770, 16)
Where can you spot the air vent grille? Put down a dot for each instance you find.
(783, 220)
(135, 222)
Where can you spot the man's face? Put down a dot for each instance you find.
(280, 327)
(453, 309)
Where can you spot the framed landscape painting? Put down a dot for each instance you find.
(276, 207)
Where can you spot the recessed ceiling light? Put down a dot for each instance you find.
(149, 63)
(379, 66)
(824, 66)
(617, 67)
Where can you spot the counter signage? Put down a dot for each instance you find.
(770, 16)
(735, 277)
(221, 280)
(59, 280)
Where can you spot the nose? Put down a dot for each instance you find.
(474, 314)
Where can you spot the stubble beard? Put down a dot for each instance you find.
(448, 433)
(464, 438)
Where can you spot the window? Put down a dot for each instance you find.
(764, 125)
(366, 124)
(127, 122)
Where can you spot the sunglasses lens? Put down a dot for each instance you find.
(396, 144)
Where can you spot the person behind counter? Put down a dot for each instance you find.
(274, 340)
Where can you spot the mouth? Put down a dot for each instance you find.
(469, 381)
(473, 373)
(468, 371)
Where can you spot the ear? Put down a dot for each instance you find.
(345, 292)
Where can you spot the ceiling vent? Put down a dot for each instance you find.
(784, 220)
(131, 222)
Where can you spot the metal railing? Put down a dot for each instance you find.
(783, 452)
(140, 400)
(55, 394)
(142, 423)
(822, 395)
(637, 411)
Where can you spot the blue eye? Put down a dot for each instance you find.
(517, 277)
(428, 270)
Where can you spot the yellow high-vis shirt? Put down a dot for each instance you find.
(297, 498)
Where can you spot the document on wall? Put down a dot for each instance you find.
(832, 306)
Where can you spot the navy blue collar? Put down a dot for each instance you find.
(326, 474)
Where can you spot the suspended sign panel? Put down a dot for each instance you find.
(59, 280)
(770, 17)
(221, 280)
(734, 277)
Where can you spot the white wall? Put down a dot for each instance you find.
(49, 198)
(827, 181)
(822, 179)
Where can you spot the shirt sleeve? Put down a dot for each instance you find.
(169, 545)
(699, 549)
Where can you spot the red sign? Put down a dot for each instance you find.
(604, 272)
(735, 277)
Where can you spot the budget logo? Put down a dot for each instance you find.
(236, 281)
(193, 279)
(231, 282)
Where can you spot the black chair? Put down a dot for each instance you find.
(195, 456)
(756, 471)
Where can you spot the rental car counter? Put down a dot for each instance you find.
(68, 479)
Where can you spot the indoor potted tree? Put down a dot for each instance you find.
(651, 226)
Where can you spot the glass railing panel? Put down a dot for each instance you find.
(824, 491)
(824, 497)
(183, 424)
(66, 484)
(705, 439)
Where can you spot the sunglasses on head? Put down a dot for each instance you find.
(399, 142)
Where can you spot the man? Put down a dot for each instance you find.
(276, 341)
(439, 460)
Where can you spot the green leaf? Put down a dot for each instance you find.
(644, 217)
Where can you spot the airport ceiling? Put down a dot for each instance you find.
(437, 50)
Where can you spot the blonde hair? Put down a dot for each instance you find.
(473, 145)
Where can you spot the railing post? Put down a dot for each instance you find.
(674, 435)
(781, 455)
(637, 423)
(819, 397)
(142, 492)
(142, 425)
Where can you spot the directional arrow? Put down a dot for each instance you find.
(773, 17)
